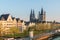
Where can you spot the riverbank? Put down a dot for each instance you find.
(44, 37)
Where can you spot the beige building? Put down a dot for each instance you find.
(31, 24)
(7, 21)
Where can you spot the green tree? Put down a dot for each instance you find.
(14, 30)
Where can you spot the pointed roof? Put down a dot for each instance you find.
(17, 19)
(39, 14)
(41, 11)
(5, 16)
(13, 18)
(33, 13)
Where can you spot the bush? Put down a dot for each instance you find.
(1, 39)
(17, 35)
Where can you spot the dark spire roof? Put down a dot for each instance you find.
(41, 11)
(33, 14)
(31, 11)
(39, 14)
(17, 19)
(5, 16)
(21, 21)
(13, 18)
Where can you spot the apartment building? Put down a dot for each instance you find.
(7, 21)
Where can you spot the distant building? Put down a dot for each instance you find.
(41, 16)
(31, 24)
(32, 16)
(41, 20)
(23, 25)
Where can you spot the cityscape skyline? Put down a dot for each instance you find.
(22, 8)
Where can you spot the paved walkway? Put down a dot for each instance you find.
(42, 36)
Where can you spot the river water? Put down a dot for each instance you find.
(57, 38)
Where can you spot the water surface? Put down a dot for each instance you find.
(57, 38)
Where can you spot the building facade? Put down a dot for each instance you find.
(7, 21)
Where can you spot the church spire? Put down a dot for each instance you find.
(31, 11)
(39, 15)
(41, 11)
(33, 14)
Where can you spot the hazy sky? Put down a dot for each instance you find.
(22, 8)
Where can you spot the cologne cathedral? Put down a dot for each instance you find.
(41, 16)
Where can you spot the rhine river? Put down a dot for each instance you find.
(57, 38)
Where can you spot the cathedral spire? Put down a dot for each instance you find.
(33, 14)
(31, 11)
(39, 15)
(41, 11)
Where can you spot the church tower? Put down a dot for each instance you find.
(42, 15)
(32, 16)
(39, 16)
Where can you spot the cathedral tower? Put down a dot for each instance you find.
(39, 16)
(42, 15)
(32, 16)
